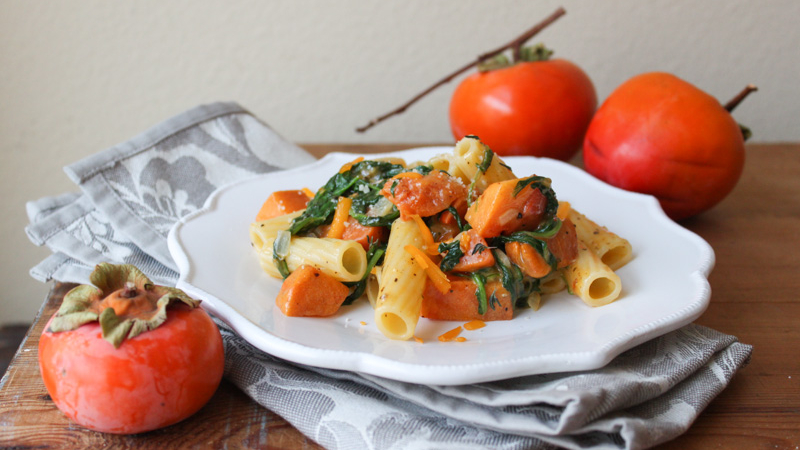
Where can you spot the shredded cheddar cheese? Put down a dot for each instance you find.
(474, 325)
(465, 242)
(309, 193)
(429, 245)
(432, 270)
(563, 210)
(450, 335)
(339, 218)
(347, 166)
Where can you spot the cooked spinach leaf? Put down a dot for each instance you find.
(530, 238)
(452, 254)
(480, 281)
(487, 160)
(513, 279)
(544, 185)
(462, 226)
(479, 248)
(488, 155)
(366, 209)
(493, 300)
(362, 179)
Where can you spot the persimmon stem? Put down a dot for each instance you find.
(734, 102)
(515, 45)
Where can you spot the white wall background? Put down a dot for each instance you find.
(78, 77)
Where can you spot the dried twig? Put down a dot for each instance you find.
(731, 105)
(514, 45)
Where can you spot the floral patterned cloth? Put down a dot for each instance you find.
(132, 194)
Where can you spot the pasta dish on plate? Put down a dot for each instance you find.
(458, 237)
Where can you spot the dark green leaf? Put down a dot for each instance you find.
(493, 300)
(480, 292)
(513, 279)
(488, 155)
(462, 226)
(360, 209)
(479, 248)
(543, 184)
(452, 254)
(529, 238)
(369, 175)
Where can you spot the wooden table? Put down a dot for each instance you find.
(755, 233)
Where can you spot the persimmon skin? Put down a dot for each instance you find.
(539, 108)
(153, 380)
(659, 135)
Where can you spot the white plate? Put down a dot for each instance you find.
(664, 288)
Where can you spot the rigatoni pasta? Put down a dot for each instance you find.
(342, 259)
(613, 250)
(553, 283)
(470, 154)
(265, 231)
(402, 281)
(591, 279)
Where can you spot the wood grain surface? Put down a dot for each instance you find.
(755, 233)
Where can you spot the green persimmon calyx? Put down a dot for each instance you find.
(747, 133)
(532, 53)
(122, 299)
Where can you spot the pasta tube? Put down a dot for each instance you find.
(468, 156)
(591, 279)
(401, 283)
(447, 163)
(341, 259)
(264, 230)
(552, 283)
(373, 285)
(613, 250)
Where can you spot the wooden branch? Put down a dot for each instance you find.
(731, 105)
(515, 44)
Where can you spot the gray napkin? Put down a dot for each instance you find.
(133, 193)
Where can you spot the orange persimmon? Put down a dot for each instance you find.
(564, 245)
(499, 210)
(282, 202)
(126, 356)
(477, 254)
(425, 195)
(354, 231)
(310, 292)
(528, 259)
(461, 303)
(660, 135)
